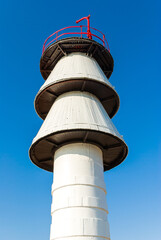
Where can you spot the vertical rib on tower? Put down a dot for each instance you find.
(77, 139)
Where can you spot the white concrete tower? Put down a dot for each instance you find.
(77, 140)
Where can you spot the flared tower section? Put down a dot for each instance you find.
(77, 140)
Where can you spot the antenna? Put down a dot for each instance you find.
(88, 26)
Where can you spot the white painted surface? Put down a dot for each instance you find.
(77, 110)
(79, 209)
(75, 66)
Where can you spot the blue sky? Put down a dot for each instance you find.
(132, 29)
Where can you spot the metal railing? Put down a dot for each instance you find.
(58, 35)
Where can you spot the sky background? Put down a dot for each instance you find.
(132, 29)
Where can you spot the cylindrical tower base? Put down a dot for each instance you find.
(79, 209)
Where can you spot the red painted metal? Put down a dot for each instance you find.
(88, 26)
(56, 35)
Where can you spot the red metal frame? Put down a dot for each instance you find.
(55, 36)
(88, 26)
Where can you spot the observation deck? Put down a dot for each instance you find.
(76, 39)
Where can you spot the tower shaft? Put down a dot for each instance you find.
(79, 209)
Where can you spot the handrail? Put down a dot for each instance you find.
(56, 36)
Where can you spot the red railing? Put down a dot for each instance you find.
(58, 35)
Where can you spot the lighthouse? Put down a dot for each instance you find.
(77, 140)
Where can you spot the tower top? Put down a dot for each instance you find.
(79, 38)
(83, 31)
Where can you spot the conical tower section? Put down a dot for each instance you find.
(77, 139)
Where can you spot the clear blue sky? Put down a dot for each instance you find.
(133, 32)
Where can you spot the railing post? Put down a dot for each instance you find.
(103, 40)
(107, 45)
(81, 30)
